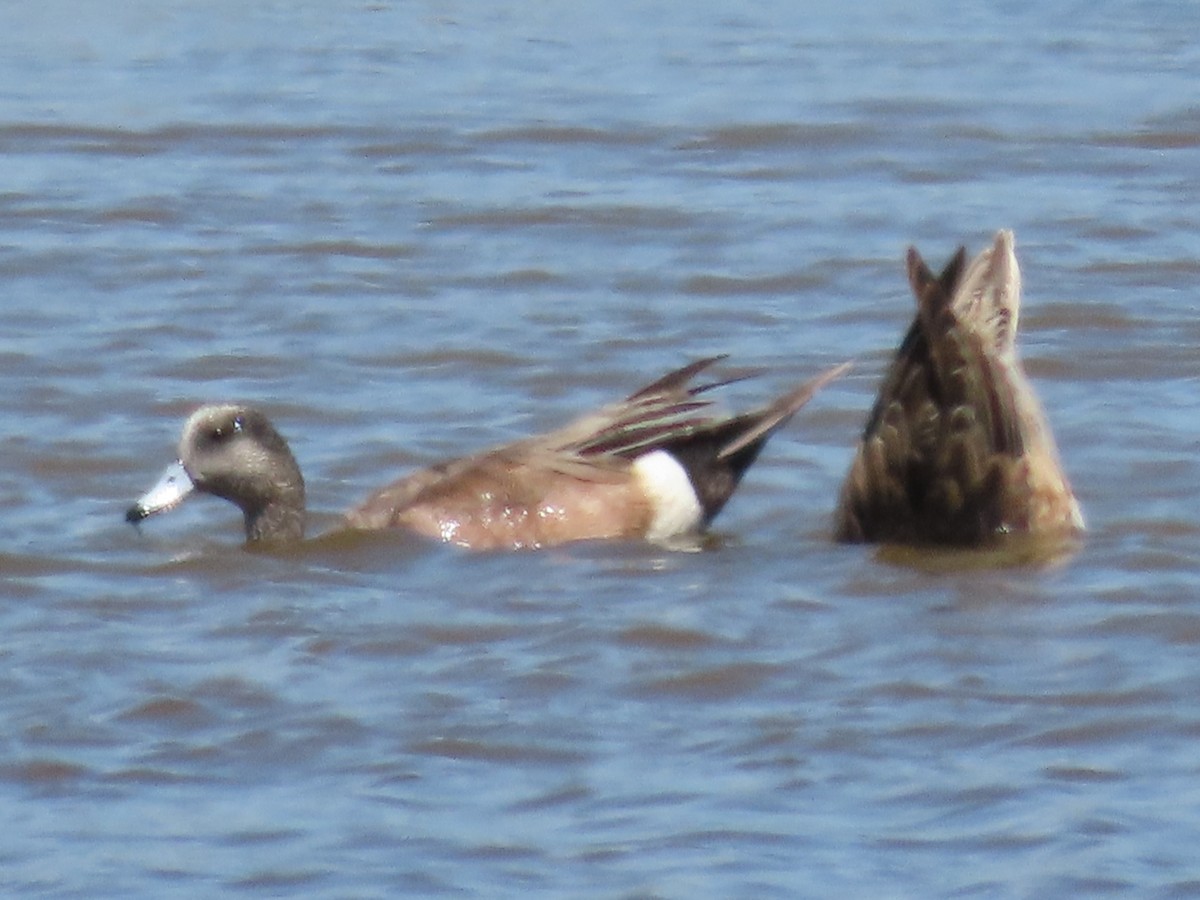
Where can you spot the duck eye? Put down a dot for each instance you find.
(220, 434)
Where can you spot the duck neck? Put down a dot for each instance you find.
(279, 518)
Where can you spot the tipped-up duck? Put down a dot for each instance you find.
(957, 448)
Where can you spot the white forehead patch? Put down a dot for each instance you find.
(676, 509)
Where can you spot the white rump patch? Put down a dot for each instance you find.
(676, 509)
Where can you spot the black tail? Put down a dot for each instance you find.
(716, 458)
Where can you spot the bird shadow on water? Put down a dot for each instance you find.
(416, 566)
(1033, 552)
(1015, 572)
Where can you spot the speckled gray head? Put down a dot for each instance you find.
(233, 452)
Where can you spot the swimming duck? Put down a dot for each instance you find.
(658, 465)
(957, 449)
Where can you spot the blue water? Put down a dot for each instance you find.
(409, 231)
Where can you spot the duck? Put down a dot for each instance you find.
(658, 465)
(957, 450)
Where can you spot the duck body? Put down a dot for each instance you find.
(658, 465)
(957, 449)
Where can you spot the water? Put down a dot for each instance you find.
(413, 230)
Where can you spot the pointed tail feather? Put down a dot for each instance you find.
(988, 296)
(934, 293)
(778, 413)
(676, 381)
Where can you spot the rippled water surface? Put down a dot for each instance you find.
(412, 230)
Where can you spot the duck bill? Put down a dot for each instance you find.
(173, 486)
